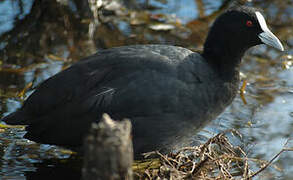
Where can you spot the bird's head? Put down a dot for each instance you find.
(239, 29)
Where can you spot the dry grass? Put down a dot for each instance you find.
(214, 160)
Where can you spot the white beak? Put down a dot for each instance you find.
(267, 37)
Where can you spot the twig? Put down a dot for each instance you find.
(271, 161)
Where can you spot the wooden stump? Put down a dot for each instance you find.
(108, 151)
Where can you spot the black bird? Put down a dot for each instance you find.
(168, 92)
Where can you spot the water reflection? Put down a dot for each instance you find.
(11, 11)
(57, 35)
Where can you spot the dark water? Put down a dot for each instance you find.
(40, 39)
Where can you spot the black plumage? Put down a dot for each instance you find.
(168, 92)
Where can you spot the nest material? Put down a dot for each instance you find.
(217, 159)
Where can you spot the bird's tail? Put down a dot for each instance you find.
(15, 118)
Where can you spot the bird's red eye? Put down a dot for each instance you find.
(248, 23)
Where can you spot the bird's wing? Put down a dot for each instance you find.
(69, 86)
(90, 82)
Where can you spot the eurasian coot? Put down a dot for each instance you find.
(168, 92)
